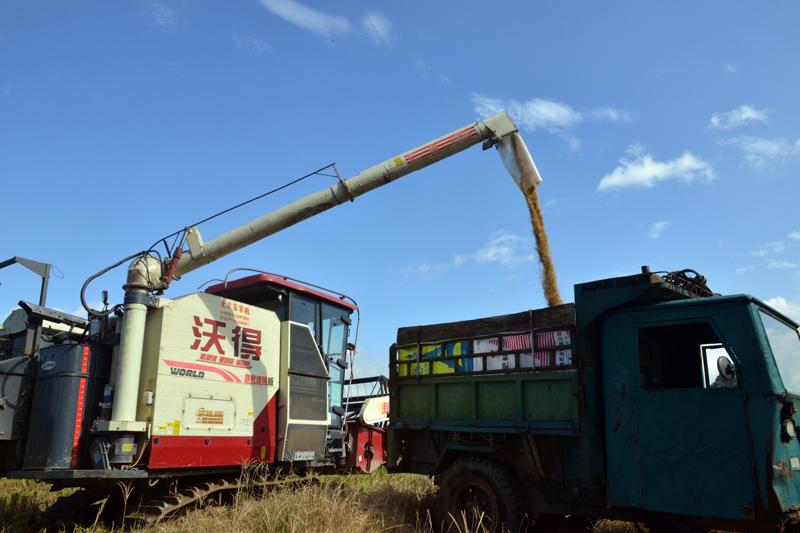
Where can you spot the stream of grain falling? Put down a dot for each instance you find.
(549, 283)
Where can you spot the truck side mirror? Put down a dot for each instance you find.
(725, 367)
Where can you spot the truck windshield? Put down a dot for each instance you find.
(785, 343)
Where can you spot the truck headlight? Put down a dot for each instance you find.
(788, 428)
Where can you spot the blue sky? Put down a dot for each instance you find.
(666, 134)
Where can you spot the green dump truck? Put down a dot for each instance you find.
(649, 399)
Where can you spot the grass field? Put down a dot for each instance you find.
(352, 504)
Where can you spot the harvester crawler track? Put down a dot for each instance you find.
(147, 506)
(152, 509)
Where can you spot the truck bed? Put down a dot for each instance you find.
(482, 375)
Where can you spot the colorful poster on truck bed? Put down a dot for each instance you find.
(564, 358)
(553, 349)
(435, 351)
(542, 360)
(454, 349)
(552, 339)
(520, 342)
(406, 361)
(410, 365)
(493, 362)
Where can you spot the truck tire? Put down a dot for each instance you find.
(482, 493)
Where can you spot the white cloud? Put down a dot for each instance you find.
(505, 248)
(554, 205)
(758, 151)
(769, 248)
(546, 114)
(573, 143)
(741, 116)
(730, 69)
(657, 229)
(378, 27)
(307, 18)
(502, 247)
(787, 307)
(640, 170)
(537, 113)
(610, 114)
(252, 43)
(160, 14)
(781, 264)
(745, 269)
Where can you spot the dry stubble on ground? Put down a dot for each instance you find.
(352, 504)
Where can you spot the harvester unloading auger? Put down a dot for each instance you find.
(195, 387)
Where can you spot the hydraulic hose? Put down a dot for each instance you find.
(90, 279)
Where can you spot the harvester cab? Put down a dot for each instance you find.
(328, 316)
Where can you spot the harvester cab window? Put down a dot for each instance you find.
(682, 356)
(334, 330)
(334, 337)
(277, 305)
(305, 311)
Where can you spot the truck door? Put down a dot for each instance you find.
(675, 428)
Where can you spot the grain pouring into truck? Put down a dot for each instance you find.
(523, 170)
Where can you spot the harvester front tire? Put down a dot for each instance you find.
(480, 493)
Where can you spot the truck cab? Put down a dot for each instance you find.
(663, 403)
(699, 405)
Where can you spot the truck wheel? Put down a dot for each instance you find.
(480, 494)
